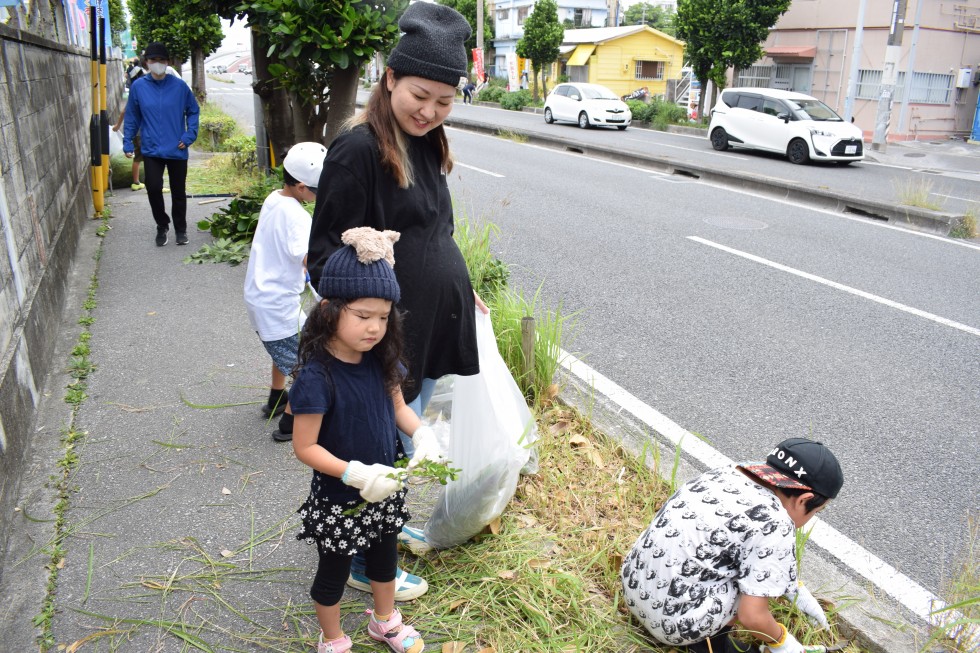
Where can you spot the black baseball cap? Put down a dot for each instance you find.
(798, 463)
(156, 50)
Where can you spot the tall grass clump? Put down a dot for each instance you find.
(958, 624)
(917, 191)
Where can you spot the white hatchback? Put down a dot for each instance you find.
(793, 124)
(588, 105)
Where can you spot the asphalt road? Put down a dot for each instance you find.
(744, 352)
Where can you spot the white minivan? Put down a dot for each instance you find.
(793, 124)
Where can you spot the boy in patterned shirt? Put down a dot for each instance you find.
(724, 544)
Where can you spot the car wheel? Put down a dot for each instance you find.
(548, 118)
(622, 128)
(583, 120)
(719, 139)
(798, 152)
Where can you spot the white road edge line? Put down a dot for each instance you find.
(879, 573)
(839, 286)
(486, 172)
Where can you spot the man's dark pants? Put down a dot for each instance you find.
(177, 171)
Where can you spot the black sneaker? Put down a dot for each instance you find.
(181, 237)
(279, 436)
(276, 404)
(162, 237)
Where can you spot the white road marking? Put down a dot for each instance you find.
(855, 557)
(839, 286)
(486, 172)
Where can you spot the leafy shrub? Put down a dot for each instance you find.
(217, 124)
(668, 113)
(242, 150)
(237, 221)
(516, 100)
(641, 110)
(492, 93)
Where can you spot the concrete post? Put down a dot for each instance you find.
(889, 76)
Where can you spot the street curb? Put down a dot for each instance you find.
(907, 216)
(863, 616)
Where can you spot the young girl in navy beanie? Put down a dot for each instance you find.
(347, 405)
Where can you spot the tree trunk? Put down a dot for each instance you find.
(343, 94)
(276, 108)
(198, 83)
(537, 71)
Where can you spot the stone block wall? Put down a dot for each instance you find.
(45, 198)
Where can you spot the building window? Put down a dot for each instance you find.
(582, 18)
(649, 70)
(503, 14)
(755, 77)
(522, 15)
(927, 88)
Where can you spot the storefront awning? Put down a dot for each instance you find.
(581, 55)
(792, 51)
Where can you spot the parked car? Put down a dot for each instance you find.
(244, 69)
(793, 124)
(589, 105)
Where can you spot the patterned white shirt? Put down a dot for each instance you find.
(719, 536)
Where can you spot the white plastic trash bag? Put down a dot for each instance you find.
(115, 143)
(491, 432)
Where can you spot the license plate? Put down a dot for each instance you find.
(850, 149)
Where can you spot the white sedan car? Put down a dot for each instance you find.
(589, 105)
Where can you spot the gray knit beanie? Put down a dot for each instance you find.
(433, 45)
(363, 268)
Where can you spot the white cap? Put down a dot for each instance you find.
(304, 161)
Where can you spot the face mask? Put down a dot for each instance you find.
(158, 68)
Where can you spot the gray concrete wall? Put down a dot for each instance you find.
(45, 197)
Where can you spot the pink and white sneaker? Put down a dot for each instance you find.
(339, 645)
(399, 636)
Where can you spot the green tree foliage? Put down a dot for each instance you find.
(468, 9)
(543, 35)
(191, 29)
(645, 13)
(315, 50)
(117, 21)
(720, 34)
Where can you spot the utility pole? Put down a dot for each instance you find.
(479, 24)
(889, 76)
(855, 64)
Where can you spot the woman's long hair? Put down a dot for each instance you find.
(321, 327)
(380, 118)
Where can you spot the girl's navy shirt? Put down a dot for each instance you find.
(358, 416)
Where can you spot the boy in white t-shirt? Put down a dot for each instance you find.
(725, 544)
(276, 276)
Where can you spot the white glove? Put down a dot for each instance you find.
(426, 447)
(788, 644)
(373, 481)
(805, 601)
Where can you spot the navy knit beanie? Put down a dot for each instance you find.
(433, 45)
(363, 268)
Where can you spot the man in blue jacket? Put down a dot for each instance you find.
(163, 110)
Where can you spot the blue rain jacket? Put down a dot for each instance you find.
(164, 113)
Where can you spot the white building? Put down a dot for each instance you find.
(509, 17)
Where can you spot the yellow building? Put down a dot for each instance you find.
(624, 59)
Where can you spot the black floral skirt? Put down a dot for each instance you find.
(352, 526)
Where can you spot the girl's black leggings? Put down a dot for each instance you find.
(334, 568)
